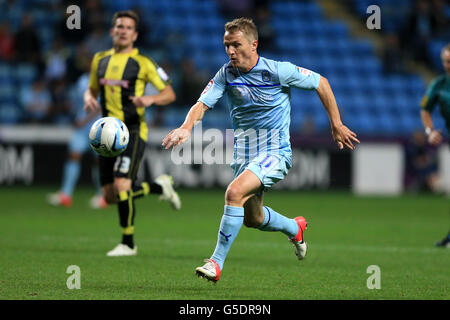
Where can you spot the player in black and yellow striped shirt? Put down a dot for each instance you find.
(118, 77)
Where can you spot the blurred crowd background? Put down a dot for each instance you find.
(378, 76)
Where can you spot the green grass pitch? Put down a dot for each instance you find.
(346, 234)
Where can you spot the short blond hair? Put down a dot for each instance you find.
(245, 25)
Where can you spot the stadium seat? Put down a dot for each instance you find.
(203, 8)
(24, 73)
(361, 123)
(304, 60)
(361, 50)
(416, 85)
(145, 5)
(342, 46)
(375, 83)
(287, 44)
(386, 125)
(279, 10)
(409, 123)
(7, 91)
(281, 26)
(380, 103)
(5, 71)
(10, 113)
(360, 102)
(336, 30)
(317, 46)
(118, 5)
(370, 66)
(321, 120)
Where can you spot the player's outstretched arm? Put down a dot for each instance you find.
(341, 134)
(181, 134)
(166, 96)
(434, 136)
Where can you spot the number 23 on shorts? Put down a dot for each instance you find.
(122, 164)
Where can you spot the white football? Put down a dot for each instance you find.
(109, 137)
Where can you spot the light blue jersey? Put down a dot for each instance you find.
(77, 97)
(259, 104)
(79, 142)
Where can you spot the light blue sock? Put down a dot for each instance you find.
(232, 220)
(273, 221)
(70, 176)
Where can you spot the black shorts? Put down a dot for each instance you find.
(125, 165)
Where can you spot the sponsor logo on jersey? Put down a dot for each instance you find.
(304, 71)
(210, 84)
(114, 82)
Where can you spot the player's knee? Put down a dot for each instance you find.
(234, 195)
(122, 184)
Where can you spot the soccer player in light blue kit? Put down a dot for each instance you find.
(78, 145)
(258, 92)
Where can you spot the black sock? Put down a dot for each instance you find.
(155, 188)
(145, 188)
(128, 240)
(127, 213)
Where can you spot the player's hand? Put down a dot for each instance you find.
(142, 101)
(176, 137)
(344, 137)
(435, 137)
(90, 104)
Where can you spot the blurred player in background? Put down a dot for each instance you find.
(119, 77)
(258, 93)
(438, 93)
(79, 145)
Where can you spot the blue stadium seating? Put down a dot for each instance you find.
(24, 73)
(364, 94)
(435, 52)
(10, 111)
(369, 99)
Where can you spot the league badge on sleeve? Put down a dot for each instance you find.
(210, 84)
(304, 71)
